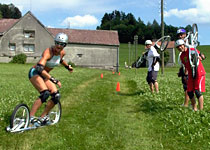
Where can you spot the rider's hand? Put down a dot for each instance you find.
(59, 84)
(71, 69)
(201, 57)
(55, 81)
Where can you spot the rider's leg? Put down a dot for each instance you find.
(150, 81)
(199, 88)
(154, 80)
(156, 86)
(192, 99)
(50, 104)
(186, 101)
(40, 85)
(151, 87)
(200, 100)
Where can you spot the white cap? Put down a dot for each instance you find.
(148, 42)
(179, 42)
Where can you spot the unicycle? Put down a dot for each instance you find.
(194, 64)
(20, 118)
(164, 41)
(192, 43)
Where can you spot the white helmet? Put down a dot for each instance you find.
(62, 38)
(179, 42)
(148, 42)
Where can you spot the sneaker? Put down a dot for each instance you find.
(44, 120)
(35, 122)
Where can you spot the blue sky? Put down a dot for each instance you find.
(87, 14)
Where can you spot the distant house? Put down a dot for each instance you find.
(87, 48)
(172, 54)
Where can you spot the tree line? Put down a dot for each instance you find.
(127, 27)
(9, 11)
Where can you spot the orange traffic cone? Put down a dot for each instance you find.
(113, 72)
(118, 87)
(102, 76)
(119, 73)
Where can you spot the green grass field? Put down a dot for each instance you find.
(96, 117)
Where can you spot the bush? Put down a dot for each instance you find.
(19, 59)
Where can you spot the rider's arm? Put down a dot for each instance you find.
(41, 64)
(64, 63)
(202, 56)
(155, 60)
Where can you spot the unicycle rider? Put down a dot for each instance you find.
(43, 82)
(194, 86)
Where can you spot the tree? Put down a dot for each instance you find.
(127, 26)
(9, 11)
(156, 30)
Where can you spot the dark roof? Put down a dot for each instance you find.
(104, 37)
(101, 37)
(6, 24)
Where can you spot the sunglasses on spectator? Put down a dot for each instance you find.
(61, 44)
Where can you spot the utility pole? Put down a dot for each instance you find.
(162, 34)
(136, 42)
(129, 54)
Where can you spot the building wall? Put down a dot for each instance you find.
(171, 61)
(41, 40)
(93, 56)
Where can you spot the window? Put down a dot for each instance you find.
(29, 34)
(12, 46)
(28, 47)
(79, 55)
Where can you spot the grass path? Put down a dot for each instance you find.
(105, 119)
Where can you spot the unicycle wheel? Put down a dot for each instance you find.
(55, 114)
(20, 117)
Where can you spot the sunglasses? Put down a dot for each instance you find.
(61, 44)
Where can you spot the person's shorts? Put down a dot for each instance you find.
(196, 84)
(33, 72)
(152, 76)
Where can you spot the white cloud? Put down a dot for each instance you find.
(199, 14)
(80, 21)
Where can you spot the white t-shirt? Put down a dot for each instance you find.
(152, 52)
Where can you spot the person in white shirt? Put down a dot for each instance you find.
(153, 59)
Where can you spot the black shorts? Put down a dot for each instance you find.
(152, 76)
(33, 72)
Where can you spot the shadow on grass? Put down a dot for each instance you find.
(153, 107)
(131, 94)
